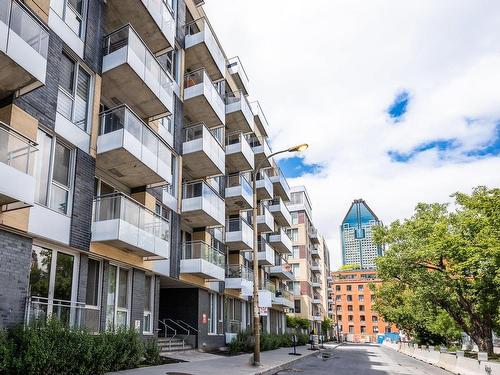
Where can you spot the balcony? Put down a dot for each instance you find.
(238, 193)
(239, 235)
(266, 253)
(239, 277)
(169, 197)
(124, 223)
(17, 189)
(130, 150)
(284, 298)
(315, 251)
(202, 101)
(131, 74)
(282, 272)
(265, 220)
(316, 283)
(264, 186)
(239, 116)
(260, 119)
(280, 242)
(280, 212)
(313, 235)
(202, 153)
(23, 49)
(203, 49)
(201, 259)
(261, 150)
(316, 300)
(315, 267)
(280, 185)
(152, 19)
(317, 318)
(239, 154)
(238, 73)
(202, 206)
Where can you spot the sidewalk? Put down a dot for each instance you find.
(211, 364)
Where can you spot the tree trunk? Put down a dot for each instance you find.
(482, 335)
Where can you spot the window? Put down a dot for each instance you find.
(74, 92)
(339, 318)
(148, 304)
(337, 288)
(349, 288)
(363, 329)
(361, 308)
(350, 318)
(375, 329)
(72, 13)
(387, 329)
(93, 296)
(349, 308)
(360, 288)
(296, 304)
(169, 62)
(52, 288)
(118, 299)
(53, 173)
(362, 318)
(338, 297)
(339, 308)
(295, 268)
(215, 314)
(296, 252)
(293, 233)
(295, 217)
(351, 329)
(374, 319)
(349, 298)
(361, 298)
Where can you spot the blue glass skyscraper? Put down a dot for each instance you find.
(356, 236)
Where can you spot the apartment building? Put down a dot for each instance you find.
(310, 261)
(354, 317)
(356, 230)
(128, 143)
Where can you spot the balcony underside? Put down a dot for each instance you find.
(16, 186)
(202, 268)
(236, 121)
(197, 108)
(279, 190)
(245, 286)
(121, 12)
(122, 85)
(264, 225)
(283, 302)
(196, 216)
(281, 274)
(236, 241)
(262, 191)
(266, 259)
(122, 235)
(199, 56)
(198, 164)
(126, 168)
(237, 161)
(279, 245)
(237, 203)
(279, 216)
(261, 157)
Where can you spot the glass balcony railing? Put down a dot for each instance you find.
(258, 142)
(201, 250)
(141, 60)
(235, 67)
(200, 196)
(238, 225)
(196, 131)
(239, 271)
(143, 228)
(240, 179)
(236, 101)
(260, 118)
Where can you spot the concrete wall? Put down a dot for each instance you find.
(15, 260)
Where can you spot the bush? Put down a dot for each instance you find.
(51, 348)
(151, 352)
(268, 341)
(297, 322)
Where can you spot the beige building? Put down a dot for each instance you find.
(309, 260)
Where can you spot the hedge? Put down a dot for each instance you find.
(244, 341)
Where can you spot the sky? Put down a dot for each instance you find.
(399, 101)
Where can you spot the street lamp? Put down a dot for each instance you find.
(256, 318)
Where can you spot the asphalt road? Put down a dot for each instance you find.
(362, 359)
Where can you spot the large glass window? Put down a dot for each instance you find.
(148, 304)
(53, 276)
(74, 92)
(72, 13)
(92, 297)
(117, 302)
(53, 173)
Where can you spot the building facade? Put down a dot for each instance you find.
(310, 261)
(358, 247)
(353, 315)
(128, 143)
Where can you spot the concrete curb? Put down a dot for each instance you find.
(283, 366)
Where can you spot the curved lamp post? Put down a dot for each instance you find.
(256, 318)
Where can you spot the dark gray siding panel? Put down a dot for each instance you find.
(15, 259)
(137, 308)
(94, 35)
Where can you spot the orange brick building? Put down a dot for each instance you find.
(353, 317)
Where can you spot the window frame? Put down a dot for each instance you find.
(115, 302)
(151, 304)
(82, 18)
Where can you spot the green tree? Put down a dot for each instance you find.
(446, 262)
(326, 325)
(350, 267)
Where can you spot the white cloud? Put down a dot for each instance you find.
(326, 71)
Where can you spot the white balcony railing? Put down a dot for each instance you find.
(122, 221)
(200, 198)
(198, 139)
(17, 187)
(201, 259)
(236, 69)
(25, 41)
(238, 152)
(239, 234)
(260, 118)
(237, 103)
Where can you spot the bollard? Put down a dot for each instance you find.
(482, 356)
(460, 353)
(294, 342)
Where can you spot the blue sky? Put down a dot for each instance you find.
(296, 167)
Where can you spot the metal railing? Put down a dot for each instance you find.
(257, 111)
(237, 224)
(71, 313)
(16, 150)
(283, 293)
(201, 250)
(233, 326)
(277, 172)
(118, 206)
(238, 179)
(126, 36)
(201, 24)
(239, 271)
(258, 140)
(239, 97)
(235, 61)
(200, 188)
(20, 21)
(195, 131)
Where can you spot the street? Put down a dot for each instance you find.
(363, 359)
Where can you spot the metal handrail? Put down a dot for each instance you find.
(172, 338)
(187, 325)
(178, 325)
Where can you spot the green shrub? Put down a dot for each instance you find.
(151, 352)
